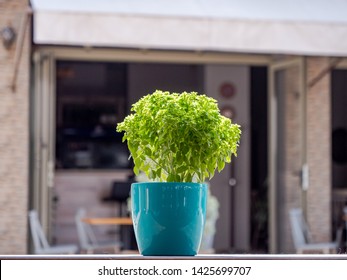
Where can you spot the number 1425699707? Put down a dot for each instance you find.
(222, 270)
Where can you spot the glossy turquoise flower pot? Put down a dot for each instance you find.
(168, 218)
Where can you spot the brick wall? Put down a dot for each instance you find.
(290, 152)
(319, 150)
(318, 118)
(13, 135)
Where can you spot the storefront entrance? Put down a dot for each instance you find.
(88, 95)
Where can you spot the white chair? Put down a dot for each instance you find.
(41, 245)
(302, 237)
(88, 242)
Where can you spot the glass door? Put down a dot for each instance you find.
(42, 136)
(287, 138)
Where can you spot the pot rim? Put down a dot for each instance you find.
(170, 183)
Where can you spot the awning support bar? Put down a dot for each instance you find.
(19, 46)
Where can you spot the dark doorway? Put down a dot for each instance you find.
(338, 148)
(259, 160)
(339, 128)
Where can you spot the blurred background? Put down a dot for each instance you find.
(70, 70)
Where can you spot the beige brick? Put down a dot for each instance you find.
(318, 154)
(319, 150)
(14, 140)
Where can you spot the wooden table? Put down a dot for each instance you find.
(126, 234)
(122, 221)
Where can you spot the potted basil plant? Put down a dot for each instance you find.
(178, 140)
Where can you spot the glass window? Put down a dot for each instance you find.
(91, 100)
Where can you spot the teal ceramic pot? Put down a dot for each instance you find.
(168, 218)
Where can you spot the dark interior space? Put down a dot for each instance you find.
(259, 185)
(339, 148)
(91, 99)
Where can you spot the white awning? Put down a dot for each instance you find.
(310, 27)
